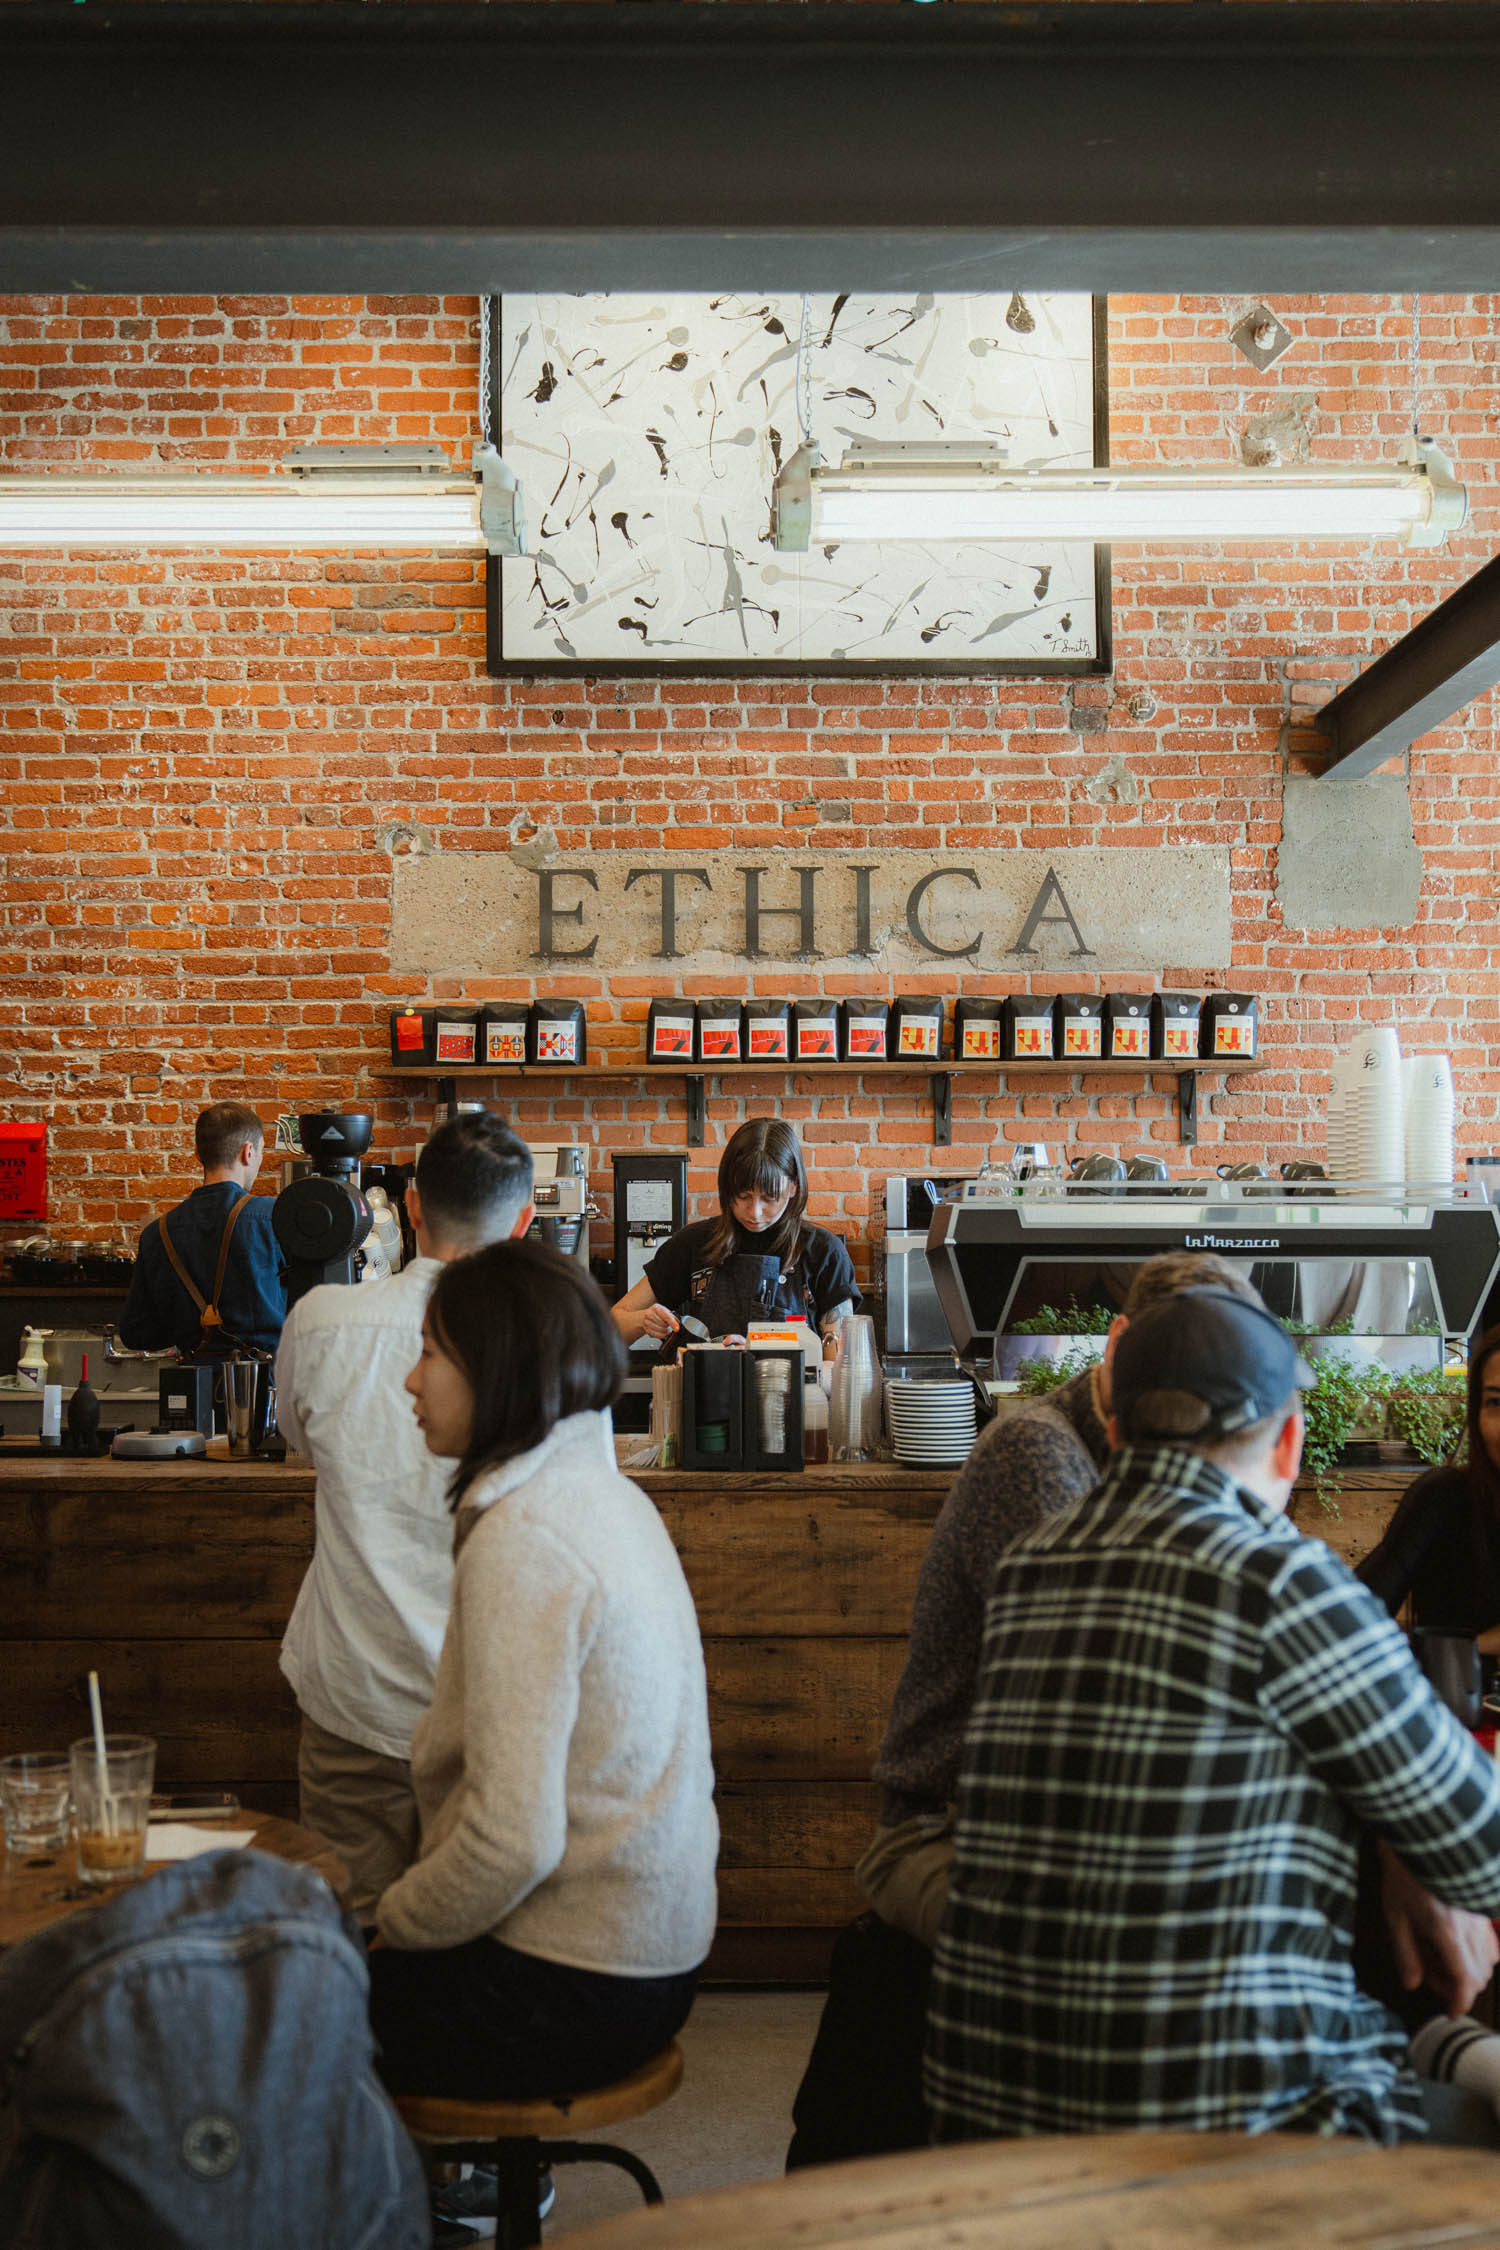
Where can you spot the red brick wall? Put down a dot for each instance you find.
(198, 757)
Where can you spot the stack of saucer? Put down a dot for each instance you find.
(932, 1423)
(1428, 1087)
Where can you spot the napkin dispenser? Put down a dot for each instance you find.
(741, 1409)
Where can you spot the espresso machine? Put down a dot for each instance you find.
(1404, 1266)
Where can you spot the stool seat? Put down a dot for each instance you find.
(433, 2117)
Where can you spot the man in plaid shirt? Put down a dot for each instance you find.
(1187, 1717)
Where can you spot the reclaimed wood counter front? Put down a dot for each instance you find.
(175, 1581)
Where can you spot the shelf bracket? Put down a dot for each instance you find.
(448, 1095)
(942, 1109)
(697, 1110)
(1187, 1108)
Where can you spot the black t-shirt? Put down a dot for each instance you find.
(822, 1278)
(1430, 1554)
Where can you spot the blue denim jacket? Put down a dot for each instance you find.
(191, 2065)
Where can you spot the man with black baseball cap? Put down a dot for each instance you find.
(1188, 1718)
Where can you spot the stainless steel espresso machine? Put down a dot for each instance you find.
(1405, 1266)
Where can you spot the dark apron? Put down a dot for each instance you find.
(743, 1289)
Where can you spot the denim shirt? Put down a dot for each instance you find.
(159, 1312)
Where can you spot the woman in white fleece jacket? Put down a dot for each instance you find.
(549, 1935)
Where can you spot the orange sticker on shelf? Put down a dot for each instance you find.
(1035, 1038)
(981, 1041)
(1179, 1038)
(919, 1036)
(1081, 1036)
(1130, 1037)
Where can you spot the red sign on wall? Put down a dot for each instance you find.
(23, 1172)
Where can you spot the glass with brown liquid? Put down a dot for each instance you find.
(111, 1804)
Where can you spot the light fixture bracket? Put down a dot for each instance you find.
(348, 461)
(792, 501)
(502, 513)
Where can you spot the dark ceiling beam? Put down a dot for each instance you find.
(1434, 670)
(1291, 145)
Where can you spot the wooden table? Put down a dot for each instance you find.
(1110, 2191)
(34, 1893)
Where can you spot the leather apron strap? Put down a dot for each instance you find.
(208, 1310)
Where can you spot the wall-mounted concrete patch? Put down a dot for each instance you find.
(1114, 783)
(1349, 858)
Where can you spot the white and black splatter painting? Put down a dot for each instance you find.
(647, 432)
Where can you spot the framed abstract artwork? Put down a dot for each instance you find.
(647, 433)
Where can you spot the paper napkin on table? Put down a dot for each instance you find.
(174, 1839)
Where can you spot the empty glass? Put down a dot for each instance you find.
(34, 1802)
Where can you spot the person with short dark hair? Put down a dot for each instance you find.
(362, 1646)
(207, 1278)
(760, 1259)
(1188, 1719)
(549, 1936)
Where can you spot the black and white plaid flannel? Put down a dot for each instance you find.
(1187, 1713)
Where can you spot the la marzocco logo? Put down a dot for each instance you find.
(1231, 1242)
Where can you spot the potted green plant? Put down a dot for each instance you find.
(1425, 1408)
(1050, 1334)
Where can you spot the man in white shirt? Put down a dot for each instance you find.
(362, 1647)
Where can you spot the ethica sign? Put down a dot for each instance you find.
(1090, 909)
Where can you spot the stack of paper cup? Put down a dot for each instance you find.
(1339, 1164)
(1429, 1117)
(1374, 1119)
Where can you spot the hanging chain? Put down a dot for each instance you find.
(1416, 347)
(486, 311)
(804, 373)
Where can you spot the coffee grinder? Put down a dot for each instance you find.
(321, 1220)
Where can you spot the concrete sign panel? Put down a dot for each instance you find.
(522, 913)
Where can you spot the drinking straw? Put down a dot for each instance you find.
(106, 1802)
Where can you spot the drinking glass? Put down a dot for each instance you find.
(111, 1808)
(34, 1801)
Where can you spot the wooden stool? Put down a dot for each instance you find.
(515, 2137)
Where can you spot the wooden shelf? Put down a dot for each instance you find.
(941, 1072)
(915, 1067)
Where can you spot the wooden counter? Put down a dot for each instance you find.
(175, 1581)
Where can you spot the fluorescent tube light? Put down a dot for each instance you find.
(325, 497)
(971, 491)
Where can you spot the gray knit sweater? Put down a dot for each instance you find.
(563, 1772)
(1025, 1466)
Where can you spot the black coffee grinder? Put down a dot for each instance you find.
(321, 1220)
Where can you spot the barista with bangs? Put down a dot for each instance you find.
(758, 1260)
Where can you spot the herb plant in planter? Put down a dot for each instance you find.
(1047, 1334)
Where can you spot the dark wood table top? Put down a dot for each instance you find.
(1150, 2191)
(34, 1893)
